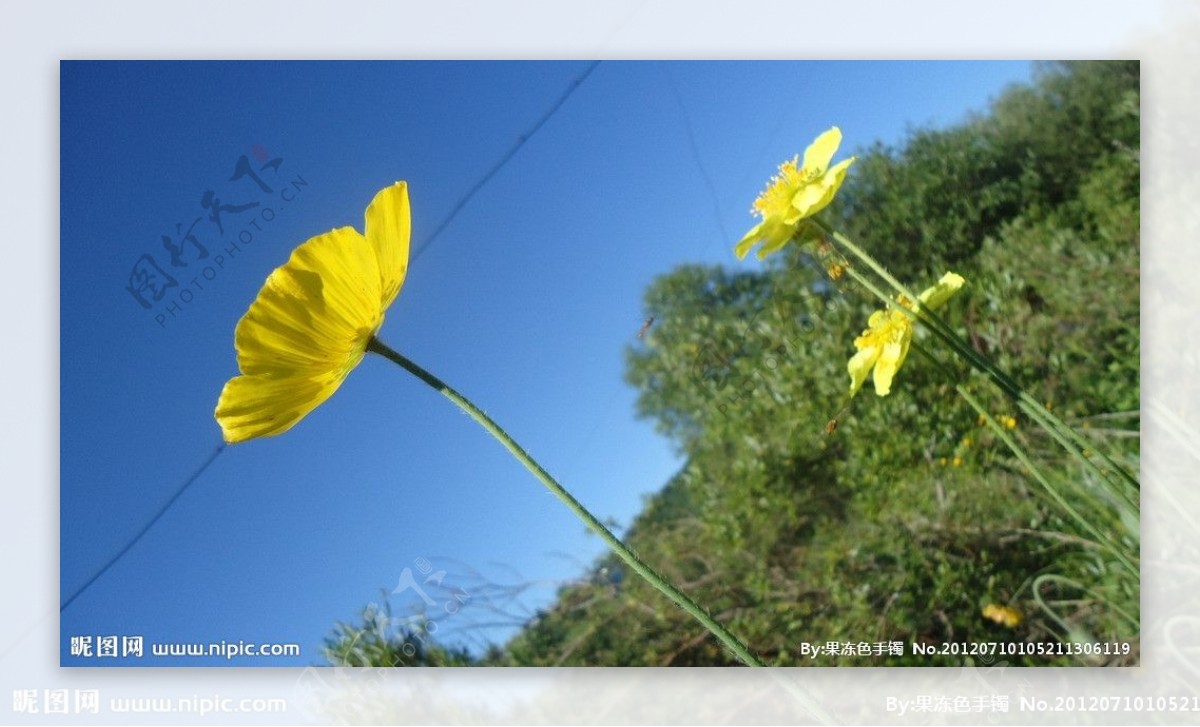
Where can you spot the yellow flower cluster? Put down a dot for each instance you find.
(1003, 615)
(884, 345)
(796, 192)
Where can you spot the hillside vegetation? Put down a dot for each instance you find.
(802, 517)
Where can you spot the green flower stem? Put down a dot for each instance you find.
(1036, 591)
(1025, 403)
(1123, 496)
(923, 314)
(1035, 409)
(1058, 429)
(622, 550)
(1015, 447)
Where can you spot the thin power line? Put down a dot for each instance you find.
(512, 151)
(146, 528)
(458, 207)
(694, 148)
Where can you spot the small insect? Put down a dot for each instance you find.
(645, 327)
(835, 271)
(832, 425)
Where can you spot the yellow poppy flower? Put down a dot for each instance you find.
(312, 320)
(884, 345)
(1003, 615)
(795, 193)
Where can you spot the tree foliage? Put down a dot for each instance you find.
(801, 516)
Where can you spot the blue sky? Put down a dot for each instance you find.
(524, 302)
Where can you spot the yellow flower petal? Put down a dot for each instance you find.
(811, 199)
(314, 312)
(877, 319)
(936, 296)
(748, 241)
(779, 236)
(261, 406)
(860, 367)
(890, 359)
(819, 153)
(815, 197)
(885, 343)
(794, 193)
(311, 322)
(388, 229)
(1004, 615)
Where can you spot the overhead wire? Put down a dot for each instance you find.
(504, 160)
(422, 248)
(145, 528)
